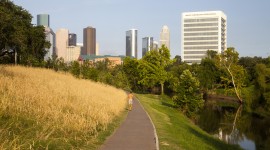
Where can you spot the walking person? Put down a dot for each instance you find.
(130, 101)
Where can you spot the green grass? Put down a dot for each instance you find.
(174, 130)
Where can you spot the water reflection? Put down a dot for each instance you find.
(235, 126)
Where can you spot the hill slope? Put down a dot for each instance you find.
(40, 108)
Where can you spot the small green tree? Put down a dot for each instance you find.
(187, 95)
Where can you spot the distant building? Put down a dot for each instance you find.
(97, 49)
(202, 31)
(155, 45)
(115, 60)
(165, 37)
(72, 39)
(131, 43)
(43, 20)
(50, 36)
(73, 53)
(89, 41)
(147, 45)
(61, 43)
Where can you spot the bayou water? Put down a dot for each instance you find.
(235, 126)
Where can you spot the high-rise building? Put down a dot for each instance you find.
(43, 20)
(202, 31)
(155, 45)
(165, 37)
(89, 41)
(131, 43)
(73, 53)
(147, 45)
(50, 36)
(61, 43)
(72, 39)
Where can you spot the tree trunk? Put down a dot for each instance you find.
(162, 88)
(235, 89)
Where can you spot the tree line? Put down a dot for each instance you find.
(246, 78)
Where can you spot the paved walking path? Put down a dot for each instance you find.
(135, 133)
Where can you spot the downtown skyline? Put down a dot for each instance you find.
(247, 23)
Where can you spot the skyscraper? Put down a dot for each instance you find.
(165, 37)
(131, 43)
(202, 31)
(43, 20)
(72, 39)
(147, 45)
(89, 41)
(50, 36)
(61, 43)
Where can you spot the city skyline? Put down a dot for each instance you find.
(247, 26)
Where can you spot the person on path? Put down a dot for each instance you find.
(130, 100)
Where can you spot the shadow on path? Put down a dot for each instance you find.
(135, 133)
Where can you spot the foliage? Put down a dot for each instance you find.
(153, 68)
(187, 95)
(18, 36)
(236, 74)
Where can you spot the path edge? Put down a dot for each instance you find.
(155, 131)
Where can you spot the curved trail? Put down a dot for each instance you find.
(135, 133)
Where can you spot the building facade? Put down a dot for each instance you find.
(202, 31)
(61, 43)
(50, 36)
(147, 45)
(89, 41)
(132, 43)
(165, 37)
(72, 39)
(43, 20)
(73, 53)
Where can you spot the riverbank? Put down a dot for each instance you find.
(174, 130)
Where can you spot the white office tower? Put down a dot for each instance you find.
(165, 37)
(202, 31)
(131, 43)
(50, 36)
(61, 43)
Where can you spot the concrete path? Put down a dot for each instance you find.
(135, 133)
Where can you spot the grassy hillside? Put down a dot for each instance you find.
(174, 130)
(42, 109)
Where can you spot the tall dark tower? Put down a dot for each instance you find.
(89, 41)
(72, 39)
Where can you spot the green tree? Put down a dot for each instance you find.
(228, 61)
(187, 95)
(130, 67)
(75, 69)
(153, 68)
(19, 38)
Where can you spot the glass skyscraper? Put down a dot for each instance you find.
(202, 31)
(147, 45)
(43, 20)
(131, 43)
(72, 39)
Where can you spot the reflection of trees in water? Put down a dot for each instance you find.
(229, 132)
(233, 125)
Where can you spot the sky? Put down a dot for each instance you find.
(248, 21)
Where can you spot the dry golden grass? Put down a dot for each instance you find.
(40, 108)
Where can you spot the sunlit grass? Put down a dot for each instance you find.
(174, 130)
(40, 108)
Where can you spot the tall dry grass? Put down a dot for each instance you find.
(42, 109)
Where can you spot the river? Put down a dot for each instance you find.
(235, 126)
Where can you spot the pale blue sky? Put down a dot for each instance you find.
(248, 20)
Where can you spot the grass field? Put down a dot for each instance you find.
(174, 130)
(42, 109)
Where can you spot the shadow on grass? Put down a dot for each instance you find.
(216, 143)
(168, 104)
